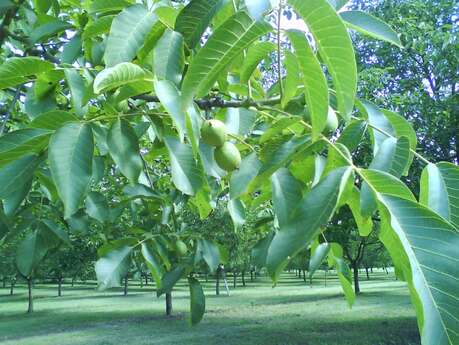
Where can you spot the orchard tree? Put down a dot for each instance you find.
(111, 110)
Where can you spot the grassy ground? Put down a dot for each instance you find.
(291, 314)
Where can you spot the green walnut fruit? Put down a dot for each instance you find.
(213, 132)
(332, 121)
(181, 247)
(227, 156)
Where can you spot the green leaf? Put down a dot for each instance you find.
(223, 46)
(72, 50)
(194, 18)
(344, 276)
(78, 90)
(152, 263)
(255, 54)
(98, 27)
(31, 250)
(197, 301)
(286, 195)
(335, 49)
(113, 263)
(317, 257)
(315, 84)
(48, 29)
(383, 182)
(124, 148)
(292, 77)
(440, 190)
(240, 179)
(168, 57)
(209, 252)
(236, 210)
(431, 246)
(169, 279)
(104, 6)
(17, 71)
(370, 25)
(12, 202)
(141, 191)
(53, 119)
(14, 174)
(239, 121)
(281, 123)
(169, 97)
(70, 153)
(305, 220)
(127, 34)
(260, 250)
(186, 175)
(97, 206)
(352, 134)
(392, 158)
(16, 144)
(119, 75)
(364, 224)
(57, 231)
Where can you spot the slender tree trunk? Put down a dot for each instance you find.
(325, 279)
(4, 282)
(304, 276)
(168, 303)
(73, 281)
(13, 282)
(310, 281)
(234, 279)
(251, 275)
(371, 269)
(368, 273)
(217, 285)
(207, 277)
(30, 287)
(141, 281)
(146, 280)
(385, 269)
(355, 267)
(126, 286)
(243, 277)
(59, 287)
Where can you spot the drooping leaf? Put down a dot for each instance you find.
(197, 301)
(70, 153)
(236, 210)
(440, 190)
(292, 77)
(335, 48)
(14, 174)
(194, 18)
(120, 75)
(127, 34)
(315, 84)
(78, 90)
(169, 279)
(124, 148)
(260, 250)
(97, 206)
(370, 25)
(53, 120)
(247, 171)
(286, 195)
(168, 57)
(209, 252)
(319, 254)
(227, 42)
(352, 134)
(31, 250)
(239, 121)
(17, 71)
(255, 54)
(153, 263)
(57, 231)
(49, 29)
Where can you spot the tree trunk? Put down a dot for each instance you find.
(371, 269)
(243, 278)
(141, 281)
(73, 281)
(168, 303)
(368, 273)
(304, 276)
(385, 269)
(310, 281)
(30, 286)
(125, 286)
(325, 279)
(4, 282)
(146, 280)
(207, 277)
(356, 278)
(13, 282)
(59, 287)
(234, 279)
(251, 275)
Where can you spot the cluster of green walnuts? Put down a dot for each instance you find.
(226, 154)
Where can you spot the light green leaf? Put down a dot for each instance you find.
(292, 77)
(124, 148)
(70, 153)
(223, 46)
(186, 175)
(78, 90)
(431, 246)
(315, 84)
(98, 27)
(127, 34)
(364, 224)
(241, 178)
(104, 6)
(197, 301)
(113, 263)
(352, 134)
(236, 210)
(16, 144)
(382, 182)
(194, 18)
(335, 48)
(152, 263)
(168, 57)
(344, 276)
(48, 29)
(440, 190)
(17, 71)
(305, 220)
(119, 75)
(286, 195)
(255, 54)
(53, 119)
(209, 252)
(169, 279)
(370, 25)
(72, 50)
(239, 121)
(14, 174)
(318, 255)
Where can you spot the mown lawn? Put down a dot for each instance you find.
(293, 313)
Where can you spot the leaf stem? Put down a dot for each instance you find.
(279, 66)
(242, 141)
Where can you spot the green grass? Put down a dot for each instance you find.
(290, 314)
